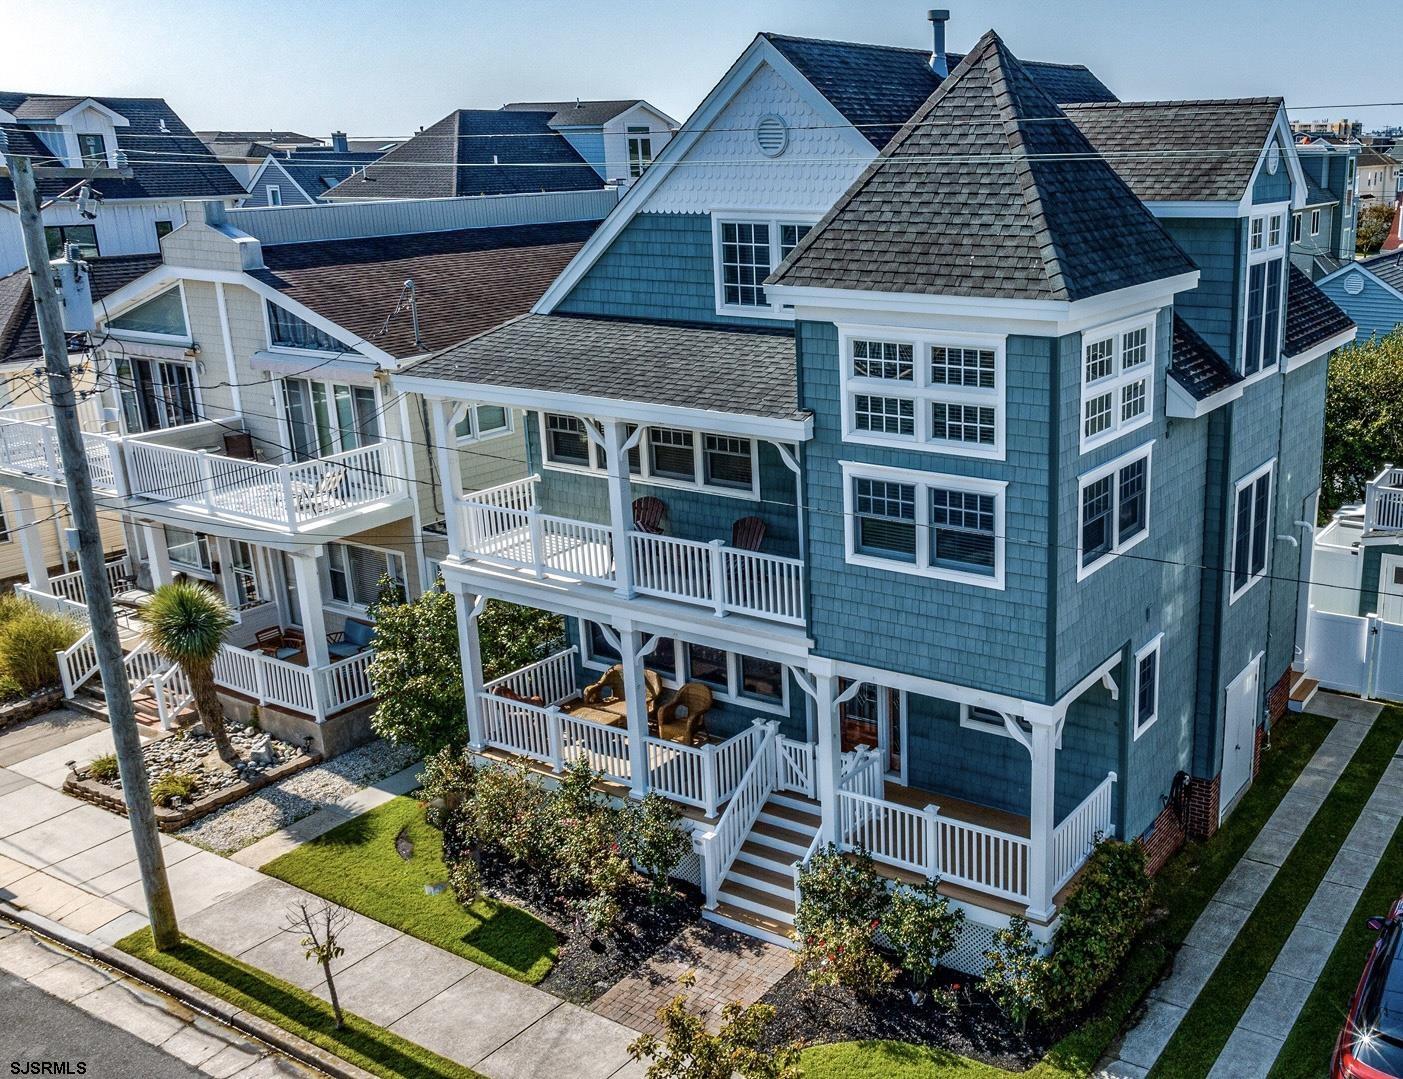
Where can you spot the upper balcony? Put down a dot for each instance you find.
(1383, 502)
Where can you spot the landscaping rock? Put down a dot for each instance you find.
(262, 751)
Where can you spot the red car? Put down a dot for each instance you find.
(1371, 1044)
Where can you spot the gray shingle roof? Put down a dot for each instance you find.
(1387, 268)
(475, 152)
(1172, 151)
(1317, 195)
(746, 372)
(317, 171)
(576, 113)
(1196, 365)
(988, 191)
(1311, 316)
(170, 164)
(879, 87)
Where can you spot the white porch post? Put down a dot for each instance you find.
(31, 542)
(158, 555)
(445, 415)
(828, 761)
(616, 447)
(469, 607)
(634, 649)
(309, 600)
(1042, 815)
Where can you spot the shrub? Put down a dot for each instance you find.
(104, 768)
(10, 690)
(12, 604)
(506, 812)
(1016, 975)
(174, 785)
(447, 781)
(653, 841)
(839, 888)
(1099, 922)
(844, 954)
(920, 926)
(29, 639)
(465, 881)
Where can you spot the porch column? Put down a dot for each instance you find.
(616, 447)
(445, 415)
(158, 555)
(31, 541)
(469, 607)
(309, 601)
(634, 649)
(828, 760)
(1042, 814)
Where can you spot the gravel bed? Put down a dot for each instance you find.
(274, 807)
(187, 752)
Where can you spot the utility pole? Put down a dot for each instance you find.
(136, 789)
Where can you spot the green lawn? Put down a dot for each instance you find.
(1201, 1036)
(1183, 888)
(356, 865)
(309, 1017)
(1306, 1054)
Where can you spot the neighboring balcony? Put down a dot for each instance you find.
(1383, 502)
(505, 526)
(29, 447)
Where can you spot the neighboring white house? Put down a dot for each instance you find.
(619, 138)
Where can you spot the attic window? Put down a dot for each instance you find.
(771, 135)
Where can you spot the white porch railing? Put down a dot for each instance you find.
(504, 524)
(1074, 838)
(31, 447)
(795, 767)
(1383, 501)
(718, 848)
(287, 496)
(69, 586)
(77, 663)
(172, 692)
(552, 679)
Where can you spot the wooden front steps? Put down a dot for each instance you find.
(1302, 690)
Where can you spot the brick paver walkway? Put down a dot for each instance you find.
(728, 966)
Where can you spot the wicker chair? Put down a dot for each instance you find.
(649, 514)
(748, 533)
(683, 719)
(612, 682)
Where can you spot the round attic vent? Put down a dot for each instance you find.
(1273, 159)
(771, 135)
(1354, 284)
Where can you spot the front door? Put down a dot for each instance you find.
(1239, 734)
(875, 717)
(1391, 588)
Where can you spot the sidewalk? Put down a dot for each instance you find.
(75, 863)
(1227, 912)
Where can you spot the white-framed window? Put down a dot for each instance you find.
(747, 248)
(1147, 685)
(1117, 380)
(274, 194)
(1315, 222)
(751, 681)
(1265, 294)
(289, 331)
(949, 527)
(664, 456)
(640, 150)
(1295, 228)
(245, 577)
(1251, 529)
(352, 574)
(326, 418)
(156, 394)
(975, 717)
(92, 149)
(481, 422)
(162, 318)
(1113, 504)
(189, 551)
(940, 392)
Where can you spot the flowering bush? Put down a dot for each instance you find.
(465, 881)
(844, 954)
(653, 840)
(839, 888)
(1016, 975)
(921, 927)
(506, 812)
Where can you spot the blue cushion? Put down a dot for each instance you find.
(358, 633)
(287, 653)
(343, 649)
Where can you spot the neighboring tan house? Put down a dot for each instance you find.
(1378, 176)
(137, 157)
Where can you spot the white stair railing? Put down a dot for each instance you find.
(172, 691)
(718, 848)
(77, 663)
(796, 767)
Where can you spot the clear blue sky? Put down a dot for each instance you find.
(386, 67)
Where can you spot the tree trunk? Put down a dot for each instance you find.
(210, 711)
(331, 992)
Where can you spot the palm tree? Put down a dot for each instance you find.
(185, 623)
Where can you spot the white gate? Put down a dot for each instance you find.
(1239, 732)
(1356, 655)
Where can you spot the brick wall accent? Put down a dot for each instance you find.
(1257, 751)
(1203, 807)
(1162, 840)
(1278, 696)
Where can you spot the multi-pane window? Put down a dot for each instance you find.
(726, 461)
(670, 453)
(566, 440)
(156, 394)
(1262, 336)
(188, 549)
(669, 456)
(941, 526)
(1114, 510)
(707, 664)
(326, 418)
(93, 150)
(640, 150)
(1146, 686)
(1117, 381)
(946, 396)
(246, 584)
(745, 263)
(1251, 530)
(789, 237)
(482, 421)
(354, 573)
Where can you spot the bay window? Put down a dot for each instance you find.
(950, 527)
(1113, 510)
(1251, 529)
(1117, 383)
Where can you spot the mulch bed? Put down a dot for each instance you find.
(975, 1029)
(586, 967)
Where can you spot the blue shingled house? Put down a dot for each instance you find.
(949, 452)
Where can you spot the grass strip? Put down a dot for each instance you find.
(1210, 1021)
(1183, 888)
(295, 1010)
(1306, 1054)
(357, 866)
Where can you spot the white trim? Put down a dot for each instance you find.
(1323, 349)
(1315, 222)
(1112, 468)
(922, 391)
(271, 162)
(1359, 267)
(185, 340)
(1139, 726)
(1120, 379)
(1180, 404)
(923, 482)
(1268, 253)
(1269, 470)
(774, 223)
(272, 195)
(1194, 207)
(1280, 134)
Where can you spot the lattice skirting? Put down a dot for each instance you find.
(968, 956)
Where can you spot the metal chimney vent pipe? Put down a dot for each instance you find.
(939, 66)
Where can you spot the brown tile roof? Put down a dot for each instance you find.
(1196, 365)
(1311, 316)
(19, 328)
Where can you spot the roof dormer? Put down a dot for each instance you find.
(81, 132)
